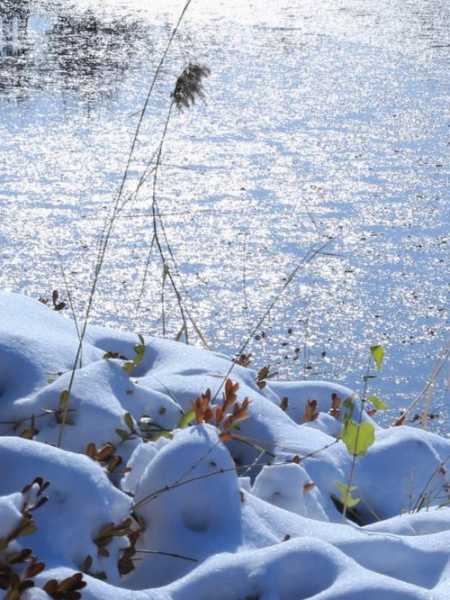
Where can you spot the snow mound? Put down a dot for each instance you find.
(81, 500)
(148, 501)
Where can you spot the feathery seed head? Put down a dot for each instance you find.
(189, 85)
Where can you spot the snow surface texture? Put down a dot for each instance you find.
(229, 520)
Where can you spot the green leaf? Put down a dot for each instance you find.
(377, 403)
(124, 435)
(186, 419)
(128, 420)
(358, 438)
(349, 407)
(27, 528)
(162, 434)
(128, 366)
(345, 492)
(377, 355)
(140, 351)
(64, 397)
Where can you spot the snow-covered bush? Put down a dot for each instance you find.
(177, 478)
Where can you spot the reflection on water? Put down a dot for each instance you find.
(14, 16)
(58, 47)
(323, 118)
(14, 48)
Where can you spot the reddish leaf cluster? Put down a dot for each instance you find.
(225, 415)
(243, 360)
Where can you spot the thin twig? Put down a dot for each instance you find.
(157, 220)
(306, 260)
(181, 482)
(140, 297)
(436, 371)
(177, 484)
(420, 500)
(169, 554)
(69, 296)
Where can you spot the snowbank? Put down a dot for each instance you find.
(148, 503)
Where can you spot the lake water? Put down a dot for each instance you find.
(323, 121)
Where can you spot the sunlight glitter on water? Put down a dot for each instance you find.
(322, 119)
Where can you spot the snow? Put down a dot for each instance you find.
(80, 500)
(202, 516)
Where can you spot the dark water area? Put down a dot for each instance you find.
(323, 121)
(52, 47)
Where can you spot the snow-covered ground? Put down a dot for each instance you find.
(150, 503)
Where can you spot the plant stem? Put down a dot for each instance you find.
(106, 235)
(354, 456)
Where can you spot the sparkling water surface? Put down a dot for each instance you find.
(323, 122)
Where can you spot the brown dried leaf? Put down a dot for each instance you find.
(243, 360)
(42, 500)
(34, 568)
(87, 564)
(229, 394)
(28, 434)
(336, 402)
(219, 414)
(51, 587)
(261, 376)
(72, 583)
(26, 527)
(26, 584)
(114, 463)
(400, 421)
(310, 413)
(133, 536)
(284, 403)
(125, 564)
(91, 451)
(105, 452)
(107, 531)
(208, 415)
(19, 557)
